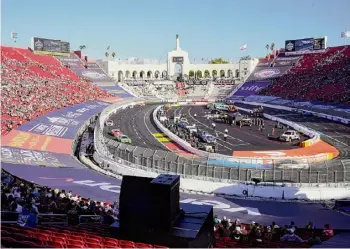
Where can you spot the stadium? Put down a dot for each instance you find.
(108, 153)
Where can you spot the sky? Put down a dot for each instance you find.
(147, 29)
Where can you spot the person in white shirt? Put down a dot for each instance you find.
(226, 130)
(291, 237)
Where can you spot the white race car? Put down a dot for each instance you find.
(289, 136)
(109, 123)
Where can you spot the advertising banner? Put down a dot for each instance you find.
(50, 46)
(251, 88)
(282, 61)
(34, 157)
(267, 73)
(93, 74)
(263, 64)
(65, 122)
(71, 61)
(30, 141)
(259, 98)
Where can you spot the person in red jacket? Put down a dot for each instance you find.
(328, 231)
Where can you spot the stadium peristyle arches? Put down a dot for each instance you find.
(199, 74)
(149, 74)
(237, 73)
(229, 73)
(214, 73)
(156, 74)
(142, 74)
(164, 74)
(127, 74)
(206, 74)
(120, 76)
(222, 73)
(134, 74)
(178, 70)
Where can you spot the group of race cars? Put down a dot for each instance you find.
(220, 113)
(117, 134)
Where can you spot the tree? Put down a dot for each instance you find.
(113, 54)
(82, 47)
(106, 54)
(191, 73)
(267, 48)
(199, 74)
(272, 47)
(218, 61)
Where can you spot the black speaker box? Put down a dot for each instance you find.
(149, 203)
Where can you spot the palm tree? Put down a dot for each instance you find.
(113, 54)
(267, 48)
(82, 47)
(272, 47)
(106, 54)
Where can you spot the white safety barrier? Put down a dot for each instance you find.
(302, 111)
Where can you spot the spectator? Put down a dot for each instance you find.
(328, 231)
(310, 226)
(291, 237)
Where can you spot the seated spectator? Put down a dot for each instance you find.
(291, 237)
(314, 240)
(310, 226)
(236, 234)
(292, 225)
(328, 231)
(268, 233)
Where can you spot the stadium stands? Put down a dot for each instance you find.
(33, 85)
(32, 200)
(316, 77)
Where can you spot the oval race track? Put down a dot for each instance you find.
(89, 183)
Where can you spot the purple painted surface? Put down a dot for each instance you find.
(261, 73)
(93, 74)
(64, 122)
(88, 183)
(73, 61)
(251, 88)
(34, 157)
(260, 98)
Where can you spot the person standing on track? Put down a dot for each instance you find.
(214, 126)
(195, 115)
(226, 131)
(225, 137)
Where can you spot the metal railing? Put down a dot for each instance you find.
(159, 161)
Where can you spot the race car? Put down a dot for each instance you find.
(116, 132)
(206, 137)
(124, 139)
(289, 136)
(109, 123)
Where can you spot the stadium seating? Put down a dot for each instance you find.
(95, 234)
(317, 77)
(33, 85)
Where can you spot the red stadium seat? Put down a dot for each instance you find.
(54, 244)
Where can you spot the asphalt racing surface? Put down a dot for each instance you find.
(332, 131)
(90, 184)
(239, 139)
(137, 124)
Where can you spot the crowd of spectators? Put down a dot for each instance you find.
(32, 85)
(31, 199)
(236, 233)
(27, 198)
(316, 77)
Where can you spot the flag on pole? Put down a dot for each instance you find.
(244, 47)
(108, 47)
(345, 34)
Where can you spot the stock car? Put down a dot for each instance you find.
(124, 139)
(289, 136)
(109, 123)
(116, 132)
(206, 137)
